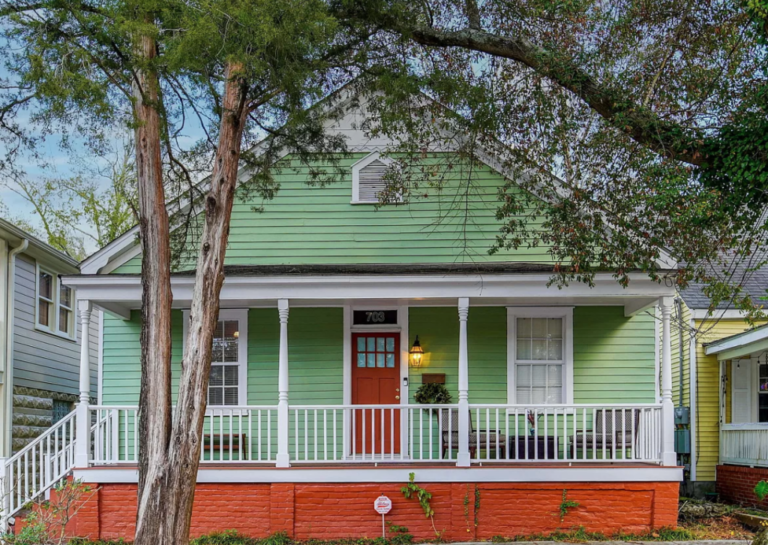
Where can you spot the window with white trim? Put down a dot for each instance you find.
(224, 383)
(540, 356)
(229, 359)
(55, 305)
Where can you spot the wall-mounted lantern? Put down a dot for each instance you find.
(417, 353)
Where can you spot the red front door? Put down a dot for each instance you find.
(376, 381)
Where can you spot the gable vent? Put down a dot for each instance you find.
(371, 181)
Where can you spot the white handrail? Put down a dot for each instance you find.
(38, 467)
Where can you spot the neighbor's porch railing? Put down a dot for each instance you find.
(405, 433)
(744, 444)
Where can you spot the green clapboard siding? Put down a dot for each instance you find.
(305, 224)
(315, 355)
(122, 358)
(438, 331)
(613, 357)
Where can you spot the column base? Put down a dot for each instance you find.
(283, 460)
(669, 459)
(463, 460)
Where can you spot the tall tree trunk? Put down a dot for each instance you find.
(166, 518)
(155, 395)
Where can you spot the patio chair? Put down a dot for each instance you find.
(488, 439)
(600, 437)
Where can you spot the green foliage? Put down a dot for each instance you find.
(761, 490)
(46, 522)
(580, 535)
(424, 497)
(432, 393)
(565, 505)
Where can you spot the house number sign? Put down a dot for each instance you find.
(374, 317)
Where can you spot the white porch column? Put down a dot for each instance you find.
(463, 457)
(668, 456)
(82, 444)
(283, 457)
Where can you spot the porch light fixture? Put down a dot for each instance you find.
(417, 353)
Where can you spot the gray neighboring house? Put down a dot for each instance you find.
(40, 336)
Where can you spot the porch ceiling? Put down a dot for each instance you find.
(119, 294)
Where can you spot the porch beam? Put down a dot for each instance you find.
(463, 455)
(82, 443)
(668, 456)
(283, 417)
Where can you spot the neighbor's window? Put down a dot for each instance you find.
(539, 361)
(224, 384)
(55, 305)
(762, 394)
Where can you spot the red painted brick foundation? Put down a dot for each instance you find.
(328, 511)
(736, 484)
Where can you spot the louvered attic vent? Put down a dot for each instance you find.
(372, 181)
(368, 179)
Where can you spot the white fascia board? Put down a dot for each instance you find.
(718, 314)
(93, 263)
(127, 289)
(740, 342)
(448, 474)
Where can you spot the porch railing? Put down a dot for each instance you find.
(744, 444)
(230, 434)
(407, 433)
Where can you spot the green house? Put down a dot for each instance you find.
(337, 314)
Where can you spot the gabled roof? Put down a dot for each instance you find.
(125, 247)
(37, 248)
(754, 283)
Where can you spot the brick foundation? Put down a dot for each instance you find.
(329, 511)
(736, 484)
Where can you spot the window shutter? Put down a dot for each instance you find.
(741, 391)
(371, 181)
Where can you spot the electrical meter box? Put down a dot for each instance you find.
(682, 416)
(683, 441)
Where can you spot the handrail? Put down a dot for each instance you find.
(50, 431)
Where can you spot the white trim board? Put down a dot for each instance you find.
(448, 474)
(125, 292)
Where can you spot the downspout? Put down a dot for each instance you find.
(9, 310)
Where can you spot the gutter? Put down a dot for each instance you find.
(7, 403)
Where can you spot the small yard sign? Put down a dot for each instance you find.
(383, 505)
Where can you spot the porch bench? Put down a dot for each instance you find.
(219, 442)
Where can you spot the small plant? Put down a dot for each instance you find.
(432, 393)
(412, 489)
(46, 523)
(565, 505)
(400, 534)
(761, 490)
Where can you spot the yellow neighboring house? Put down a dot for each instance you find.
(724, 361)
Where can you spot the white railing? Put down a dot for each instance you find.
(37, 467)
(369, 433)
(744, 444)
(230, 434)
(408, 433)
(565, 433)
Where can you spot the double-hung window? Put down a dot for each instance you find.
(540, 356)
(229, 359)
(55, 305)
